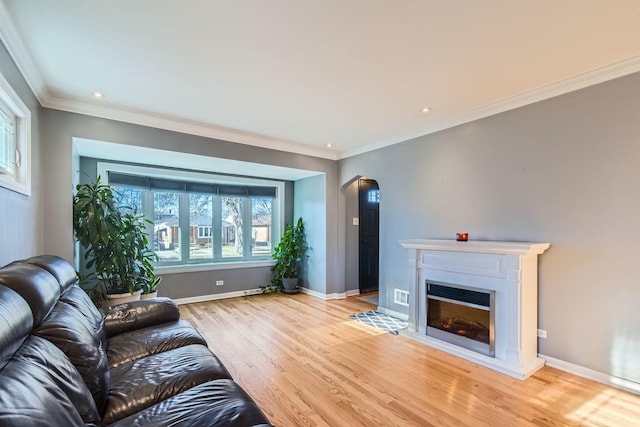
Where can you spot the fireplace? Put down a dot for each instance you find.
(461, 315)
(477, 300)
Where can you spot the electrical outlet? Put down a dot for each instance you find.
(542, 333)
(219, 282)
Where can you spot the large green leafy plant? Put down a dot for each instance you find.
(289, 253)
(117, 258)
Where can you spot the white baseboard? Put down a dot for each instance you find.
(322, 296)
(213, 297)
(235, 294)
(610, 380)
(326, 297)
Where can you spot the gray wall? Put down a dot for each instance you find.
(313, 210)
(563, 171)
(58, 176)
(199, 283)
(20, 215)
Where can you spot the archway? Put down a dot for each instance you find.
(352, 239)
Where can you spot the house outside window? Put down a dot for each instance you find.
(261, 226)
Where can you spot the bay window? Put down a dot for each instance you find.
(200, 218)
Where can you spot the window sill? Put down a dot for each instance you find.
(191, 268)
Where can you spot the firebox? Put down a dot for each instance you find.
(461, 315)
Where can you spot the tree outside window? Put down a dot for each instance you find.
(200, 225)
(232, 227)
(166, 226)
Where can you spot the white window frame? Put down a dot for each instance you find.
(20, 180)
(103, 169)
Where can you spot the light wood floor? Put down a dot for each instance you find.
(306, 364)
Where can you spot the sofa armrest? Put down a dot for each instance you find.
(139, 314)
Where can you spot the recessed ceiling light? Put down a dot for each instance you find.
(98, 95)
(426, 109)
(329, 145)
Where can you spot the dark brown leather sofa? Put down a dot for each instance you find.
(65, 363)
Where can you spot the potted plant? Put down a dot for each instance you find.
(117, 258)
(289, 254)
(150, 288)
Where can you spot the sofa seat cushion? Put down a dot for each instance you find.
(40, 387)
(152, 379)
(133, 345)
(215, 403)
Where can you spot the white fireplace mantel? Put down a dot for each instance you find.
(508, 268)
(478, 246)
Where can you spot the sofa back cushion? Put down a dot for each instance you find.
(76, 335)
(77, 298)
(15, 323)
(64, 272)
(36, 286)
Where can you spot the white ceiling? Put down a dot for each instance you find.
(297, 75)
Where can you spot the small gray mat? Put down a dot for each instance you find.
(380, 321)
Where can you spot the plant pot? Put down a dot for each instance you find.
(150, 295)
(290, 285)
(115, 299)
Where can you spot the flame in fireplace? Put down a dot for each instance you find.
(463, 327)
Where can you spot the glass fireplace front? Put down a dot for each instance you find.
(461, 315)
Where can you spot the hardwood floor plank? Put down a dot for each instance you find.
(306, 364)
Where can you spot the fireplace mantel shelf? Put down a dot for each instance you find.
(477, 246)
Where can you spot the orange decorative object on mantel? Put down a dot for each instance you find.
(462, 237)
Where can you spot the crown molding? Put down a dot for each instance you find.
(581, 81)
(18, 52)
(191, 128)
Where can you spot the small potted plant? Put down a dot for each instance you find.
(289, 254)
(117, 258)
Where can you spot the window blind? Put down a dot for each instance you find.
(179, 186)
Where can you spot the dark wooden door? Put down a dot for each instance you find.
(369, 213)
